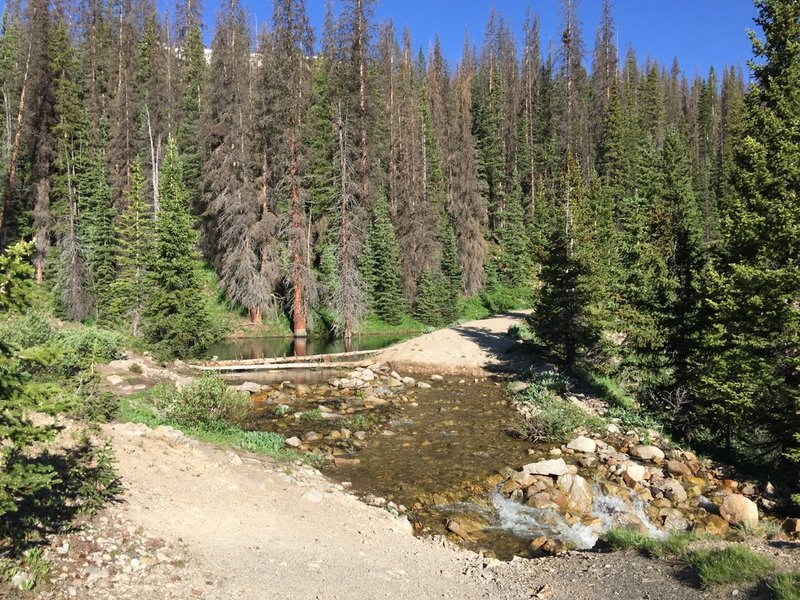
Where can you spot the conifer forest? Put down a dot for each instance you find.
(651, 219)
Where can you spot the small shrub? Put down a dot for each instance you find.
(205, 404)
(261, 442)
(135, 368)
(281, 411)
(785, 586)
(554, 420)
(675, 544)
(734, 564)
(311, 415)
(358, 422)
(85, 346)
(26, 330)
(522, 332)
(91, 403)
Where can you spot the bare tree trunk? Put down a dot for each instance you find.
(344, 233)
(155, 151)
(298, 308)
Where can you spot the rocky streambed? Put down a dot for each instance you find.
(438, 450)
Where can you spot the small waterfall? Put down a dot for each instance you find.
(527, 523)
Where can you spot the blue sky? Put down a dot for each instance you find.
(699, 33)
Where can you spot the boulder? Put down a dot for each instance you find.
(293, 442)
(716, 525)
(583, 444)
(672, 489)
(409, 381)
(578, 492)
(647, 452)
(792, 527)
(250, 386)
(738, 509)
(542, 500)
(464, 527)
(555, 467)
(634, 474)
(677, 467)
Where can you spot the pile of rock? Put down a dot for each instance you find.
(678, 491)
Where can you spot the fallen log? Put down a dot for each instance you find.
(281, 366)
(285, 359)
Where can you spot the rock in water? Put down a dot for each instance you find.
(555, 467)
(647, 452)
(737, 509)
(578, 491)
(582, 444)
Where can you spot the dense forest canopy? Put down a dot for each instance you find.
(651, 218)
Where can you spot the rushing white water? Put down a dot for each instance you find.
(527, 523)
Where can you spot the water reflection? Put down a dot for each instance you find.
(237, 349)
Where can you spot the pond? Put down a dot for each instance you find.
(270, 347)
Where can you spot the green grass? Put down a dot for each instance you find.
(372, 325)
(734, 564)
(314, 414)
(135, 409)
(675, 544)
(785, 586)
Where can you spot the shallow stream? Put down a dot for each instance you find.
(270, 347)
(438, 454)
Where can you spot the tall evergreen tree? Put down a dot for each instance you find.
(177, 322)
(750, 383)
(134, 231)
(381, 265)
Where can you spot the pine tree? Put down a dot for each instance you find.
(134, 231)
(514, 261)
(176, 320)
(749, 387)
(96, 224)
(22, 471)
(381, 266)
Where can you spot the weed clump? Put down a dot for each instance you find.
(734, 564)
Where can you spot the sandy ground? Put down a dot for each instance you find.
(475, 348)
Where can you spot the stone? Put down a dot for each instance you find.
(673, 520)
(314, 495)
(516, 387)
(672, 489)
(168, 434)
(578, 492)
(114, 379)
(554, 547)
(737, 509)
(423, 385)
(234, 459)
(409, 381)
(555, 467)
(634, 474)
(542, 500)
(464, 527)
(612, 428)
(313, 436)
(436, 377)
(302, 389)
(21, 579)
(716, 525)
(360, 435)
(792, 527)
(523, 479)
(346, 462)
(133, 429)
(647, 452)
(582, 444)
(293, 442)
(250, 386)
(677, 467)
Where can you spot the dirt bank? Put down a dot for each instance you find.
(477, 348)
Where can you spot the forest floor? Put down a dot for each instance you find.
(197, 521)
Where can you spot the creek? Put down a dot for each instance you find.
(437, 454)
(271, 347)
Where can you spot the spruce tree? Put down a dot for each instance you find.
(750, 382)
(177, 322)
(381, 265)
(129, 292)
(22, 472)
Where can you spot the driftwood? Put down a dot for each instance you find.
(281, 366)
(315, 361)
